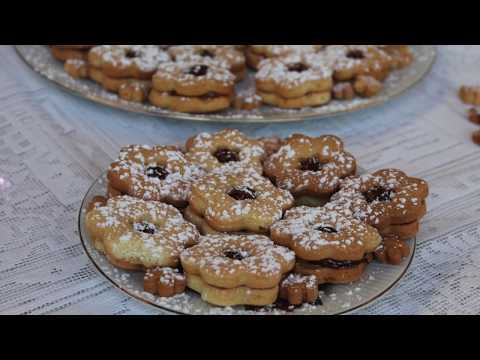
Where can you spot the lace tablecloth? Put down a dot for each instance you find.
(53, 145)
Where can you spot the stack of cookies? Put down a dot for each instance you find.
(203, 78)
(223, 217)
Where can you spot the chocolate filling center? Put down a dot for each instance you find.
(297, 67)
(130, 54)
(226, 156)
(157, 172)
(356, 54)
(311, 164)
(378, 194)
(327, 229)
(235, 255)
(243, 194)
(145, 228)
(198, 70)
(335, 264)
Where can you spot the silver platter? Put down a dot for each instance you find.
(337, 299)
(39, 58)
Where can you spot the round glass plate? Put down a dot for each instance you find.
(336, 299)
(39, 58)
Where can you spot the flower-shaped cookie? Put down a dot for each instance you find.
(164, 282)
(226, 149)
(197, 78)
(239, 201)
(385, 198)
(229, 262)
(298, 289)
(136, 234)
(310, 166)
(294, 76)
(350, 61)
(156, 173)
(224, 55)
(128, 61)
(317, 234)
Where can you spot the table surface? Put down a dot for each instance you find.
(53, 145)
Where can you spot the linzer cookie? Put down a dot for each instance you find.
(310, 166)
(295, 81)
(237, 270)
(195, 87)
(226, 149)
(350, 61)
(135, 234)
(223, 55)
(126, 69)
(156, 173)
(388, 199)
(329, 245)
(239, 201)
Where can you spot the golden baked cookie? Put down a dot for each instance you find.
(384, 198)
(316, 234)
(76, 68)
(310, 166)
(164, 282)
(224, 55)
(367, 86)
(226, 149)
(116, 85)
(193, 79)
(136, 234)
(343, 91)
(470, 95)
(237, 270)
(156, 173)
(334, 272)
(350, 61)
(294, 81)
(298, 289)
(294, 76)
(392, 251)
(327, 244)
(209, 103)
(127, 61)
(239, 201)
(401, 55)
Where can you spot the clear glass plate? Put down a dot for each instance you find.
(39, 58)
(337, 299)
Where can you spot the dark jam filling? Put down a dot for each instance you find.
(131, 54)
(335, 264)
(157, 172)
(234, 255)
(243, 194)
(297, 67)
(145, 228)
(356, 54)
(327, 229)
(378, 194)
(206, 53)
(311, 164)
(198, 70)
(226, 156)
